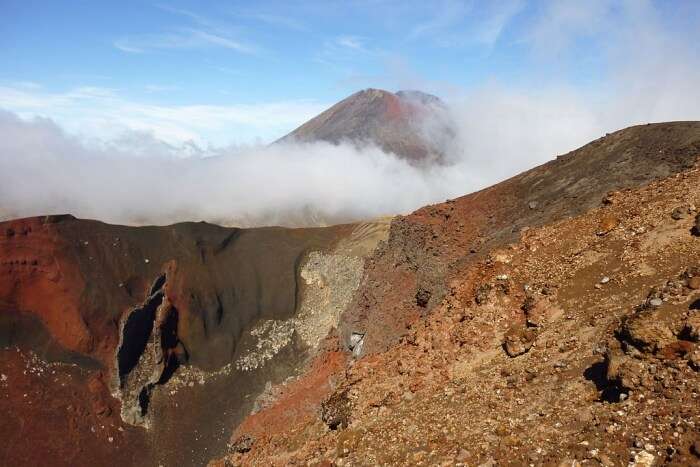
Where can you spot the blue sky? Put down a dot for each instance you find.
(236, 72)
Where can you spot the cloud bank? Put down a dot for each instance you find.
(138, 179)
(141, 177)
(103, 113)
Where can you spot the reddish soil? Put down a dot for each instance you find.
(495, 324)
(448, 393)
(296, 405)
(58, 414)
(37, 274)
(67, 285)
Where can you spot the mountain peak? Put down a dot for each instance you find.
(393, 122)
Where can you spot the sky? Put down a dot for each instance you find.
(86, 81)
(240, 72)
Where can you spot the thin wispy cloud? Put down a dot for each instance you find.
(276, 20)
(228, 70)
(562, 23)
(496, 21)
(447, 15)
(27, 85)
(186, 38)
(105, 113)
(203, 33)
(182, 12)
(456, 23)
(344, 53)
(351, 42)
(154, 88)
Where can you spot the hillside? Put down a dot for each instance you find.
(547, 320)
(531, 322)
(141, 345)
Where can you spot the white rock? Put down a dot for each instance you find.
(642, 459)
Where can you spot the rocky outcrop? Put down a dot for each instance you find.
(662, 328)
(427, 249)
(148, 354)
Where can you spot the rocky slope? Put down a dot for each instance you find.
(411, 124)
(548, 320)
(145, 345)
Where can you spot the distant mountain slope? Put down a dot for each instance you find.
(411, 124)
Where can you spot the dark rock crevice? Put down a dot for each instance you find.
(148, 352)
(135, 335)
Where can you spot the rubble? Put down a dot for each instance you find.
(501, 372)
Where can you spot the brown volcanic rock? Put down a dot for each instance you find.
(411, 124)
(79, 277)
(37, 273)
(427, 248)
(139, 306)
(612, 377)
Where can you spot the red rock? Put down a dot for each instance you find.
(694, 283)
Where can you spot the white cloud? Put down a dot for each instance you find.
(261, 184)
(456, 23)
(277, 20)
(186, 38)
(207, 33)
(351, 42)
(103, 113)
(651, 74)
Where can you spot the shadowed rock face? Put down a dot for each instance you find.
(411, 124)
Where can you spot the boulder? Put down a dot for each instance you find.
(623, 371)
(335, 411)
(242, 444)
(650, 330)
(518, 340)
(607, 223)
